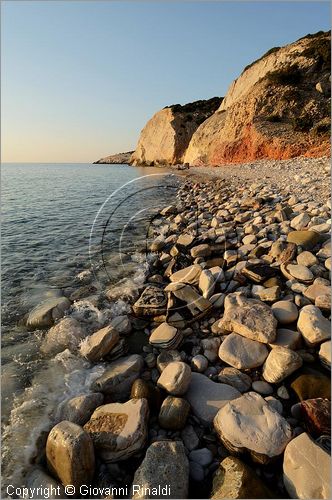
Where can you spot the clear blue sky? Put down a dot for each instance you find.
(80, 79)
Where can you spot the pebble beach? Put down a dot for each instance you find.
(215, 378)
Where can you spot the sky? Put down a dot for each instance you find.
(81, 79)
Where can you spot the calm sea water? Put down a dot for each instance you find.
(57, 221)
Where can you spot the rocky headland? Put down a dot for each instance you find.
(117, 159)
(216, 383)
(278, 108)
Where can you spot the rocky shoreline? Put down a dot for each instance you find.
(217, 381)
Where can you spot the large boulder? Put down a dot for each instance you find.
(117, 430)
(45, 314)
(118, 379)
(315, 328)
(99, 344)
(307, 469)
(80, 408)
(248, 317)
(66, 334)
(164, 472)
(70, 454)
(242, 353)
(250, 424)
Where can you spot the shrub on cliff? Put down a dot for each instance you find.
(320, 50)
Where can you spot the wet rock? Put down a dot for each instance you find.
(46, 313)
(37, 478)
(67, 334)
(165, 465)
(189, 275)
(305, 239)
(280, 363)
(117, 430)
(314, 327)
(152, 302)
(316, 414)
(325, 354)
(312, 385)
(306, 469)
(175, 378)
(173, 413)
(247, 317)
(80, 408)
(70, 454)
(207, 397)
(235, 378)
(235, 479)
(100, 343)
(146, 389)
(118, 379)
(122, 324)
(250, 424)
(119, 350)
(242, 353)
(285, 311)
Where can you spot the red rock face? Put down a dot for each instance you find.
(317, 416)
(256, 146)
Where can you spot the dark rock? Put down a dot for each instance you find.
(316, 414)
(174, 413)
(312, 385)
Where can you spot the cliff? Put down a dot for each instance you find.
(165, 137)
(277, 108)
(116, 159)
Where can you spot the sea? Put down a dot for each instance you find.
(64, 225)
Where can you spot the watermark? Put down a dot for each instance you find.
(88, 491)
